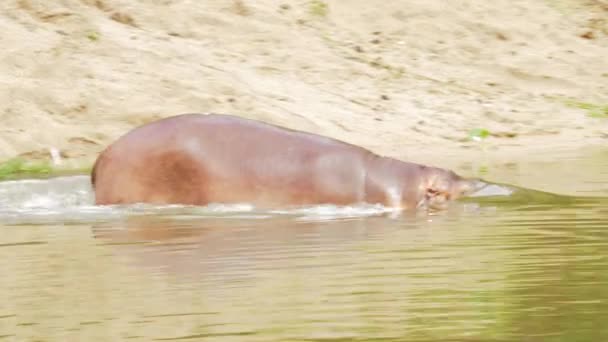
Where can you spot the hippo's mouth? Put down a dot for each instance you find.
(434, 199)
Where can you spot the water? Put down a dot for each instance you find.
(529, 266)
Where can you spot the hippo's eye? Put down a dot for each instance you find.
(432, 191)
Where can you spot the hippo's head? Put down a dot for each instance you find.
(439, 186)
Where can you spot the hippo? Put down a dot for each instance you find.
(198, 159)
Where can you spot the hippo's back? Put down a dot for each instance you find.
(188, 158)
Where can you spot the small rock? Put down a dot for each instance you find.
(123, 18)
(501, 36)
(239, 7)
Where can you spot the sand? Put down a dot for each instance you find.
(408, 79)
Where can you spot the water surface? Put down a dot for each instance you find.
(531, 266)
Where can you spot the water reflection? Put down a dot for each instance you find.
(227, 246)
(504, 275)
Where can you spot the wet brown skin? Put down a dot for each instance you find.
(197, 159)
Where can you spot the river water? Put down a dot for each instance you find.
(529, 266)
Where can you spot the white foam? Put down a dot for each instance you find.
(324, 212)
(492, 190)
(57, 192)
(70, 199)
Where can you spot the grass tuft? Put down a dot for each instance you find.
(593, 110)
(318, 8)
(21, 168)
(478, 134)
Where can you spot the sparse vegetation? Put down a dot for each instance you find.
(478, 134)
(318, 8)
(19, 168)
(93, 36)
(593, 110)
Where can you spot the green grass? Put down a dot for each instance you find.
(21, 168)
(478, 134)
(318, 8)
(593, 110)
(93, 36)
